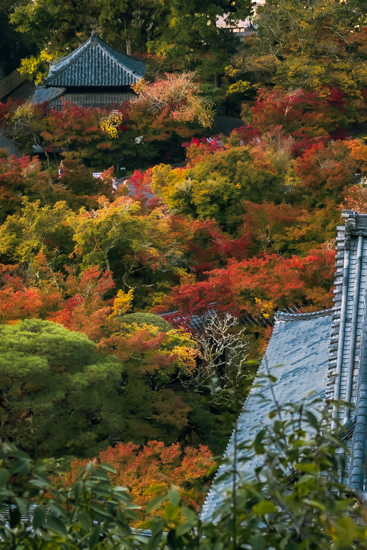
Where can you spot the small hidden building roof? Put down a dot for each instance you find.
(297, 355)
(95, 64)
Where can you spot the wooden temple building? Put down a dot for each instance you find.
(94, 75)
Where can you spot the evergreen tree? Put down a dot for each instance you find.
(58, 394)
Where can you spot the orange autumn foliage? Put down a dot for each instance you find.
(19, 300)
(356, 199)
(175, 95)
(323, 172)
(86, 310)
(78, 302)
(270, 279)
(154, 468)
(358, 151)
(299, 112)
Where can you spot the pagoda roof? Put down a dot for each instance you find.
(95, 64)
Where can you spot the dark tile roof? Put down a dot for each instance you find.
(348, 346)
(95, 63)
(15, 85)
(297, 355)
(42, 94)
(86, 99)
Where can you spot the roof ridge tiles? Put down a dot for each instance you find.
(132, 69)
(61, 65)
(285, 316)
(109, 51)
(68, 57)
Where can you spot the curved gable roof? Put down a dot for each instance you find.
(95, 64)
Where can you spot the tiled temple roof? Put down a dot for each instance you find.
(95, 64)
(56, 96)
(42, 94)
(297, 355)
(98, 100)
(348, 350)
(324, 352)
(94, 75)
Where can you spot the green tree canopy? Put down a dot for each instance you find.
(313, 43)
(146, 319)
(13, 46)
(58, 394)
(183, 33)
(191, 40)
(38, 228)
(216, 186)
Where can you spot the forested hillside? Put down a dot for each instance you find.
(106, 283)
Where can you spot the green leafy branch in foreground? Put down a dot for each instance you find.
(294, 501)
(38, 514)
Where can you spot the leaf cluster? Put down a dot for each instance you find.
(293, 499)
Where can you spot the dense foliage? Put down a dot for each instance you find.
(153, 469)
(168, 111)
(46, 372)
(294, 501)
(182, 35)
(112, 291)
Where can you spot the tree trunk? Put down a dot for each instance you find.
(128, 46)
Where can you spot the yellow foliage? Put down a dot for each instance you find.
(110, 124)
(25, 111)
(266, 307)
(158, 298)
(36, 68)
(239, 87)
(122, 302)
